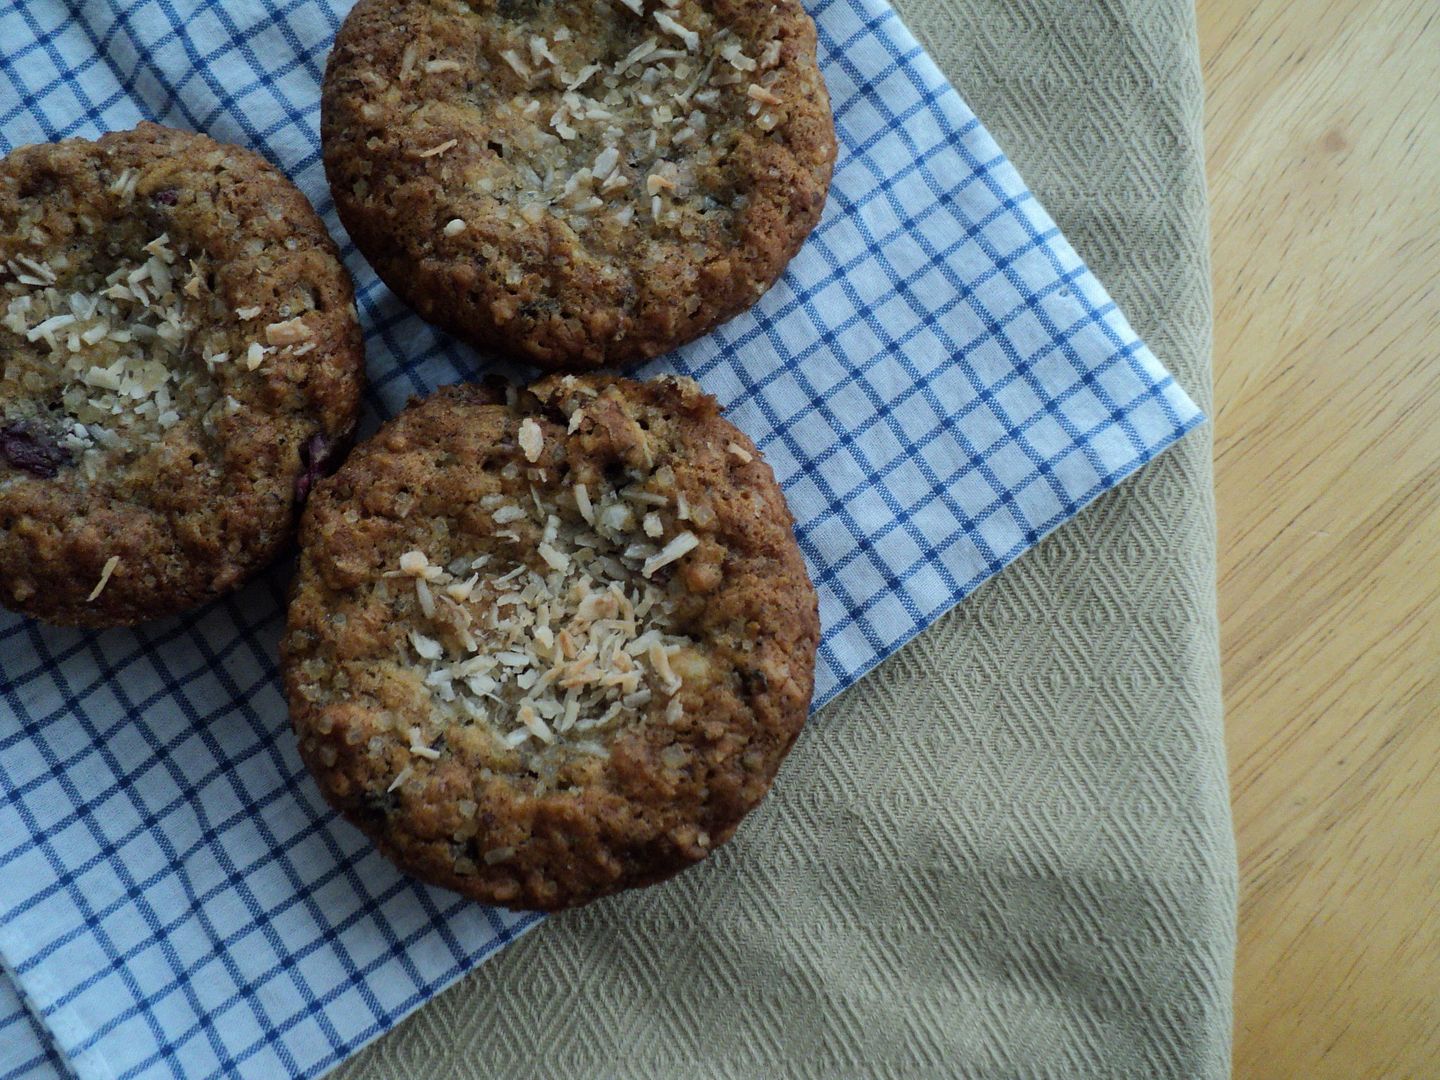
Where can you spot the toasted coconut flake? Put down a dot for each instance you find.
(660, 662)
(583, 76)
(583, 504)
(606, 161)
(435, 151)
(532, 440)
(124, 184)
(425, 597)
(511, 57)
(635, 55)
(159, 247)
(558, 648)
(677, 548)
(290, 332)
(763, 94)
(416, 564)
(670, 26)
(48, 328)
(420, 748)
(734, 53)
(540, 51)
(460, 590)
(43, 274)
(427, 647)
(537, 727)
(557, 560)
(105, 572)
(407, 61)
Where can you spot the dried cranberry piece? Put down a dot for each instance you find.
(318, 459)
(29, 447)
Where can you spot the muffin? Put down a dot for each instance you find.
(179, 359)
(547, 648)
(578, 185)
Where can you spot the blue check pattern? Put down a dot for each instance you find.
(938, 382)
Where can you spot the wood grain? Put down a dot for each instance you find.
(1323, 132)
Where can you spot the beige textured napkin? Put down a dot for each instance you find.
(1008, 851)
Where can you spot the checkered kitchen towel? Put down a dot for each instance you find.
(938, 382)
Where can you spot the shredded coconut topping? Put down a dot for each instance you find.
(117, 342)
(675, 549)
(108, 569)
(583, 132)
(671, 26)
(448, 144)
(289, 332)
(764, 94)
(561, 646)
(738, 451)
(417, 565)
(532, 441)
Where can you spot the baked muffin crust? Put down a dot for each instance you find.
(548, 649)
(179, 358)
(577, 184)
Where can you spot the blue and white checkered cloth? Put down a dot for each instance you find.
(938, 382)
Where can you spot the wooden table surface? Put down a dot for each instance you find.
(1323, 133)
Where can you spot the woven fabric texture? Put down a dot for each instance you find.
(1008, 852)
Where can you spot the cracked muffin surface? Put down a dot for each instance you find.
(544, 649)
